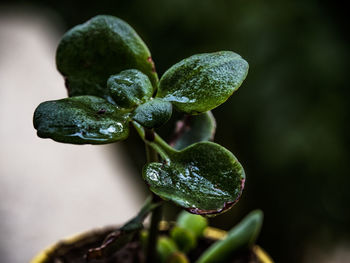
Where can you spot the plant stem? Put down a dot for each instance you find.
(153, 234)
(152, 156)
(155, 142)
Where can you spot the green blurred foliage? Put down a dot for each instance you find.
(288, 123)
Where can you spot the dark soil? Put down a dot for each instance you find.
(131, 253)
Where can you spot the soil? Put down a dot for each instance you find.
(131, 253)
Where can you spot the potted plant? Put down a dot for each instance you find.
(113, 87)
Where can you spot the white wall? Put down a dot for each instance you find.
(48, 190)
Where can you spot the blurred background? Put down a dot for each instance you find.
(288, 124)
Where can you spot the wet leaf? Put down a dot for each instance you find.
(91, 52)
(204, 178)
(130, 88)
(202, 82)
(81, 120)
(153, 114)
(242, 236)
(192, 129)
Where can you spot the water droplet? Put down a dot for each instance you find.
(109, 130)
(153, 175)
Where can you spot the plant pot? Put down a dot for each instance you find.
(74, 248)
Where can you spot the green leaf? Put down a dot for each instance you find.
(178, 257)
(91, 52)
(192, 129)
(165, 248)
(204, 178)
(153, 114)
(193, 223)
(130, 88)
(242, 236)
(81, 120)
(184, 238)
(202, 82)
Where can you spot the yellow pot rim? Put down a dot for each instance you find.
(210, 232)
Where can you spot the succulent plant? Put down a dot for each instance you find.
(113, 87)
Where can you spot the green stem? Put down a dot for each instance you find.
(164, 146)
(120, 237)
(157, 143)
(153, 234)
(152, 156)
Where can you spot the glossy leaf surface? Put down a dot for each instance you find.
(91, 52)
(130, 88)
(192, 129)
(204, 178)
(153, 114)
(242, 236)
(81, 120)
(202, 82)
